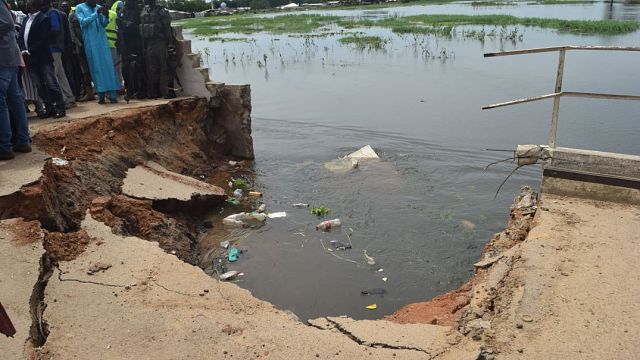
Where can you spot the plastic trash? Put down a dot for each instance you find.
(385, 279)
(254, 194)
(276, 215)
(370, 260)
(371, 307)
(237, 193)
(340, 246)
(262, 208)
(327, 225)
(233, 254)
(233, 163)
(380, 270)
(59, 162)
(228, 275)
(225, 244)
(233, 201)
(255, 218)
(376, 291)
(235, 220)
(300, 205)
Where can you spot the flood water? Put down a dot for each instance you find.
(427, 208)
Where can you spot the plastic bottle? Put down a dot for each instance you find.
(262, 208)
(235, 220)
(300, 205)
(237, 193)
(327, 225)
(255, 217)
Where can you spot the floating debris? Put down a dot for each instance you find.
(371, 307)
(370, 260)
(229, 275)
(276, 215)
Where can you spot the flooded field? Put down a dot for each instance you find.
(426, 209)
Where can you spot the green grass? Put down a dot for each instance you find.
(417, 24)
(247, 24)
(365, 42)
(493, 3)
(561, 2)
(231, 39)
(573, 26)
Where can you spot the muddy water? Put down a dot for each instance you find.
(427, 208)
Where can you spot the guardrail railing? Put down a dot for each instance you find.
(558, 93)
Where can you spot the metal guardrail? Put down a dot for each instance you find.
(558, 93)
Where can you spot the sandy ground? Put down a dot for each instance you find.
(574, 285)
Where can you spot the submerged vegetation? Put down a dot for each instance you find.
(365, 42)
(416, 24)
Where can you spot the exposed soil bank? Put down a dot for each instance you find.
(182, 135)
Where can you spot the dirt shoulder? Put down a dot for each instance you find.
(573, 287)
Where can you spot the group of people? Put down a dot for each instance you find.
(53, 57)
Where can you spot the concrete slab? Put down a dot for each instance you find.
(20, 252)
(429, 339)
(154, 182)
(151, 305)
(25, 169)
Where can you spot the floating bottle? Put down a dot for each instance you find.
(327, 225)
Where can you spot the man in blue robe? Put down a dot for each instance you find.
(93, 20)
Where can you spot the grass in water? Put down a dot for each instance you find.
(247, 24)
(574, 26)
(365, 42)
(492, 3)
(416, 24)
(231, 39)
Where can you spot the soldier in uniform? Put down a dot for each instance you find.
(157, 36)
(129, 44)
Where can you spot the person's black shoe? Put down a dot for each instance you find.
(8, 155)
(59, 114)
(170, 95)
(45, 115)
(101, 101)
(22, 148)
(113, 100)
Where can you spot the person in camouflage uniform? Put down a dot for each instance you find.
(157, 36)
(129, 44)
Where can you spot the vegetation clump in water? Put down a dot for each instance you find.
(365, 42)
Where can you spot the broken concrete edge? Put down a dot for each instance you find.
(171, 192)
(586, 174)
(231, 101)
(144, 277)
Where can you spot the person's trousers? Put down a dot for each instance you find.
(12, 101)
(48, 87)
(156, 67)
(61, 76)
(117, 64)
